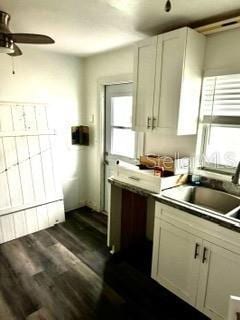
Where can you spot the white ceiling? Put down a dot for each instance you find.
(85, 27)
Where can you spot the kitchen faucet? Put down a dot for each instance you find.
(235, 177)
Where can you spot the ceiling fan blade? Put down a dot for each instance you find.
(17, 51)
(30, 38)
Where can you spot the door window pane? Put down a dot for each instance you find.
(123, 142)
(122, 111)
(224, 146)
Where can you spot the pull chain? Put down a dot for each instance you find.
(13, 66)
(168, 6)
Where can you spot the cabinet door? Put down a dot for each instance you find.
(144, 82)
(169, 69)
(176, 260)
(219, 278)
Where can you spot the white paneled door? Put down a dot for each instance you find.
(31, 197)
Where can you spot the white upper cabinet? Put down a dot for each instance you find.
(168, 74)
(144, 83)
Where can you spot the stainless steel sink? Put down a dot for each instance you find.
(206, 198)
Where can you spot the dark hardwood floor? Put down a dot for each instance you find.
(66, 272)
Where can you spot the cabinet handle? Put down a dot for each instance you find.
(204, 258)
(134, 178)
(196, 252)
(149, 122)
(154, 123)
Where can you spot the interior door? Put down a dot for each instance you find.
(178, 261)
(219, 279)
(120, 140)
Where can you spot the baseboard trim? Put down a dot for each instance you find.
(78, 206)
(93, 206)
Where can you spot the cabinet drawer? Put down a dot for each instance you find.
(140, 179)
(146, 179)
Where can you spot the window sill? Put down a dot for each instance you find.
(213, 175)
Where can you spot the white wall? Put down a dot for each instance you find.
(222, 55)
(170, 144)
(55, 79)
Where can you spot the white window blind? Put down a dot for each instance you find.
(221, 96)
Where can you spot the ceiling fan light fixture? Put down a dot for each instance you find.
(9, 40)
(6, 46)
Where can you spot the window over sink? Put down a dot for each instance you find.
(219, 126)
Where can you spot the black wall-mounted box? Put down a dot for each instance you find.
(80, 135)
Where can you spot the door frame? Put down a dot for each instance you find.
(102, 82)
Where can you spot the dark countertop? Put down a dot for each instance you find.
(127, 186)
(217, 218)
(211, 216)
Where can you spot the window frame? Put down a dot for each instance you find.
(212, 166)
(123, 128)
(139, 136)
(204, 126)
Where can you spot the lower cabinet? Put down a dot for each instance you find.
(218, 280)
(198, 271)
(176, 268)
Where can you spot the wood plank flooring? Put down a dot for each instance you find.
(67, 273)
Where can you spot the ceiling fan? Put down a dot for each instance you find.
(8, 39)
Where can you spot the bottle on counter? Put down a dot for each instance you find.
(159, 171)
